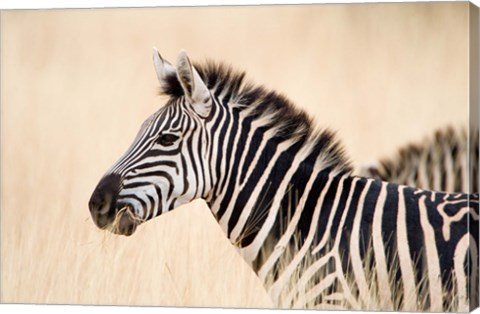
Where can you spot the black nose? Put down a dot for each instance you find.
(102, 203)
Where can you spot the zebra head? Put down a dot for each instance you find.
(160, 171)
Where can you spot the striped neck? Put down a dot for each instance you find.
(340, 222)
(265, 178)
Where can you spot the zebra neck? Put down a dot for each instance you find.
(259, 201)
(320, 209)
(252, 144)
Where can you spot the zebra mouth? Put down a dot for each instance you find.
(125, 222)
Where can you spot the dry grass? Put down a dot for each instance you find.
(311, 284)
(300, 293)
(97, 267)
(77, 84)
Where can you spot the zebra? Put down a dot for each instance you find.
(446, 161)
(283, 192)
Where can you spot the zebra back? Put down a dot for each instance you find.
(445, 161)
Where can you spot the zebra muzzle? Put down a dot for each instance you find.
(125, 222)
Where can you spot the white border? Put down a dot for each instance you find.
(74, 309)
(70, 4)
(81, 309)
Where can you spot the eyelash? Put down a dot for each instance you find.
(166, 139)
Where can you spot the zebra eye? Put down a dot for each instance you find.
(166, 139)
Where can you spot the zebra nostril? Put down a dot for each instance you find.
(96, 203)
(103, 200)
(100, 208)
(103, 197)
(101, 205)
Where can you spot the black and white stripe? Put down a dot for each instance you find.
(446, 161)
(283, 193)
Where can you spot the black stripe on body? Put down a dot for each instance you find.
(232, 184)
(213, 126)
(230, 144)
(365, 237)
(325, 212)
(340, 209)
(201, 166)
(204, 166)
(244, 195)
(389, 238)
(262, 206)
(303, 227)
(219, 158)
(446, 248)
(189, 144)
(344, 245)
(416, 239)
(336, 229)
(288, 207)
(255, 142)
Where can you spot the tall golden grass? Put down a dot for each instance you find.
(299, 293)
(77, 84)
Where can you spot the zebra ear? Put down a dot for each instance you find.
(195, 89)
(163, 69)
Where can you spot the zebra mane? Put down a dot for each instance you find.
(442, 161)
(288, 121)
(448, 141)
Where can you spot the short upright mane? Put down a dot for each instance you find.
(217, 76)
(289, 121)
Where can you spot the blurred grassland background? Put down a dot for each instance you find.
(77, 84)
